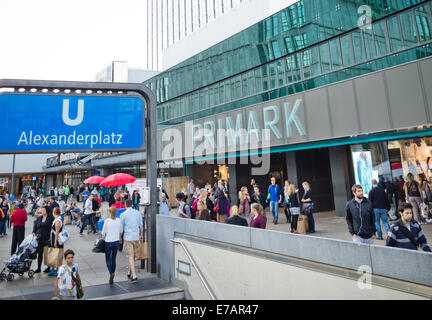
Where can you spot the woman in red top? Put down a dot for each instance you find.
(119, 204)
(18, 219)
(258, 220)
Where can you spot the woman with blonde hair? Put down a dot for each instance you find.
(235, 217)
(413, 196)
(294, 206)
(258, 220)
(243, 203)
(111, 232)
(308, 206)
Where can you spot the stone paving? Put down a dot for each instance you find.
(93, 269)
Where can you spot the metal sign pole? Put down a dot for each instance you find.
(11, 193)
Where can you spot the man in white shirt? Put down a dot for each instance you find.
(132, 226)
(88, 215)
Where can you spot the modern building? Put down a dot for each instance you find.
(179, 29)
(342, 86)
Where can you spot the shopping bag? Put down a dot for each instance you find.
(302, 224)
(142, 252)
(67, 220)
(54, 257)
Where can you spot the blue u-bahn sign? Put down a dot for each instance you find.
(58, 123)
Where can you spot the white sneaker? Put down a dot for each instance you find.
(428, 220)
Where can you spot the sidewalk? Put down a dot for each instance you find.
(327, 225)
(92, 265)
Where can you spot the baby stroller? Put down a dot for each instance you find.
(21, 261)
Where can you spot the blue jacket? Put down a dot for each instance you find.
(274, 193)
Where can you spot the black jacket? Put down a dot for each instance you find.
(261, 199)
(236, 220)
(360, 218)
(43, 229)
(379, 198)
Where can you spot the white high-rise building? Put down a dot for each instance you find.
(169, 21)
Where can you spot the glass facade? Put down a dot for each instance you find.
(169, 21)
(389, 42)
(303, 24)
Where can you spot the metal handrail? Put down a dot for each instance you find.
(196, 268)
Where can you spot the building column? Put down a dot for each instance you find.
(291, 167)
(340, 178)
(188, 171)
(232, 184)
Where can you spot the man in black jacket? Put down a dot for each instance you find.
(360, 217)
(380, 205)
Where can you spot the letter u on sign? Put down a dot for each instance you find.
(73, 122)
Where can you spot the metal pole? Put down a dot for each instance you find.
(13, 179)
(151, 166)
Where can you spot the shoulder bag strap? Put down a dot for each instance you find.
(408, 234)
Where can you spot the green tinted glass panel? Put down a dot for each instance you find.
(325, 57)
(251, 85)
(265, 78)
(258, 81)
(272, 72)
(335, 54)
(296, 67)
(347, 58)
(281, 73)
(424, 25)
(245, 91)
(380, 38)
(409, 32)
(369, 43)
(358, 47)
(394, 33)
(288, 69)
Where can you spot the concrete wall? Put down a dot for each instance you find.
(244, 263)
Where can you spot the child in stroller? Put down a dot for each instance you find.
(21, 261)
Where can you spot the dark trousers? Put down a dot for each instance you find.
(311, 221)
(88, 218)
(294, 222)
(2, 227)
(111, 249)
(287, 212)
(17, 237)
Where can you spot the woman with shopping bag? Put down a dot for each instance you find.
(42, 228)
(55, 251)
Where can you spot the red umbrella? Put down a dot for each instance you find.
(118, 179)
(94, 180)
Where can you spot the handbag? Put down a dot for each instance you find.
(54, 257)
(216, 209)
(142, 252)
(99, 246)
(78, 284)
(63, 237)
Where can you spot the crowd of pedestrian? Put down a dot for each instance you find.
(213, 203)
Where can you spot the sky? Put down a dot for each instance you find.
(70, 40)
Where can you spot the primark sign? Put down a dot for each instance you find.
(255, 128)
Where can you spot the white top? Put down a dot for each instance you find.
(111, 230)
(88, 203)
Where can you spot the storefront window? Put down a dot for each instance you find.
(371, 161)
(411, 155)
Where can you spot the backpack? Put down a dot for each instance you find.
(190, 210)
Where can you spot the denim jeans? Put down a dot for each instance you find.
(311, 221)
(2, 223)
(274, 208)
(88, 218)
(111, 249)
(361, 240)
(381, 214)
(136, 206)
